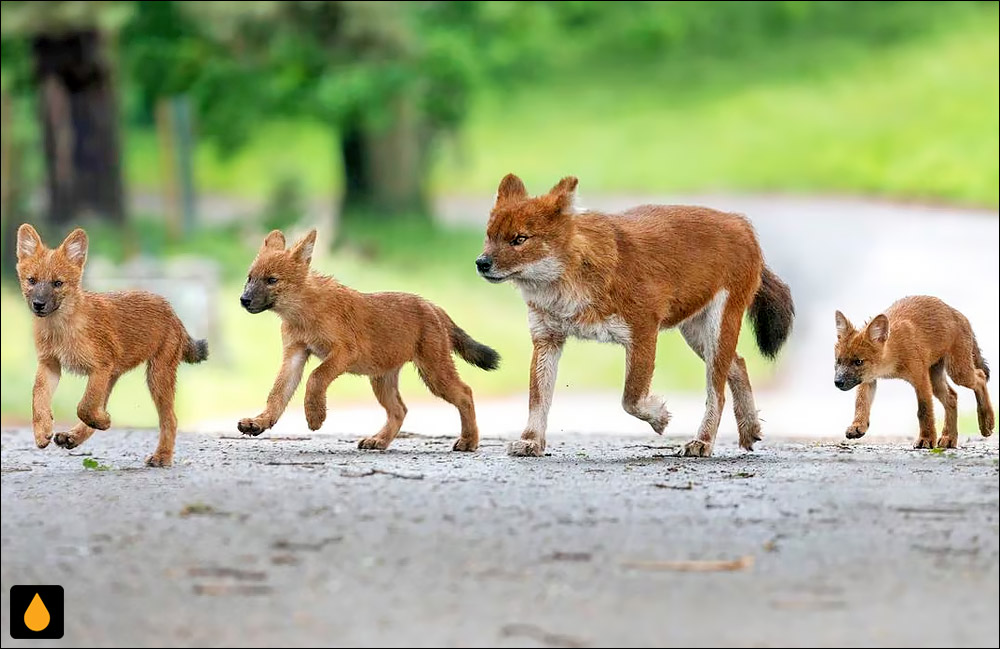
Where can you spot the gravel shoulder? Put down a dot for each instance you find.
(303, 540)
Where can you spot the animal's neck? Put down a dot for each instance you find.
(300, 310)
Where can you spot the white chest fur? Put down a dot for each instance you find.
(555, 310)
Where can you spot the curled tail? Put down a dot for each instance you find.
(978, 360)
(771, 313)
(472, 351)
(195, 351)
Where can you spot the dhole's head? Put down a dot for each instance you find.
(858, 352)
(50, 278)
(277, 274)
(527, 235)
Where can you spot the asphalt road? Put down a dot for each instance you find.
(279, 541)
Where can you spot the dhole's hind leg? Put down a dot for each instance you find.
(717, 329)
(963, 372)
(386, 389)
(161, 377)
(925, 410)
(949, 399)
(81, 432)
(437, 369)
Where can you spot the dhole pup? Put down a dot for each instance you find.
(918, 339)
(100, 335)
(371, 334)
(622, 278)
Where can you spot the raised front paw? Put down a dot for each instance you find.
(854, 431)
(696, 448)
(526, 448)
(160, 459)
(467, 444)
(42, 439)
(315, 415)
(924, 442)
(98, 419)
(253, 427)
(373, 443)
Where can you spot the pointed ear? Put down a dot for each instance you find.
(844, 325)
(511, 189)
(28, 242)
(878, 329)
(75, 247)
(565, 193)
(303, 248)
(274, 241)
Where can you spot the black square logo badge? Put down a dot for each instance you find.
(36, 612)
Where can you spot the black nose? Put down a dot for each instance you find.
(245, 301)
(37, 306)
(840, 383)
(483, 263)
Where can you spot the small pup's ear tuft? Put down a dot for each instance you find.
(878, 329)
(303, 248)
(844, 325)
(275, 240)
(28, 242)
(511, 189)
(75, 247)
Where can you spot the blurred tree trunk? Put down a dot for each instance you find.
(79, 119)
(11, 185)
(386, 167)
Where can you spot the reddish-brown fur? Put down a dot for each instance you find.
(357, 333)
(99, 335)
(623, 278)
(917, 339)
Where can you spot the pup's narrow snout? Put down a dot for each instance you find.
(483, 263)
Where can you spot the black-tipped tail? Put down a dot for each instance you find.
(473, 352)
(196, 351)
(771, 313)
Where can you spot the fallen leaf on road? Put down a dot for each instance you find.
(733, 565)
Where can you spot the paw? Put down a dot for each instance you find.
(315, 415)
(66, 440)
(467, 444)
(160, 459)
(986, 424)
(924, 442)
(948, 441)
(696, 448)
(374, 443)
(659, 423)
(526, 448)
(855, 431)
(42, 439)
(748, 435)
(250, 426)
(99, 420)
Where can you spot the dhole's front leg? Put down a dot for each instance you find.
(862, 410)
(637, 399)
(46, 381)
(91, 409)
(332, 366)
(925, 412)
(289, 376)
(544, 367)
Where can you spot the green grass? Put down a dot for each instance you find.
(911, 115)
(407, 257)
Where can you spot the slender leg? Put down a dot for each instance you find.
(289, 376)
(862, 410)
(963, 372)
(161, 376)
(386, 389)
(747, 421)
(81, 432)
(544, 367)
(637, 399)
(949, 399)
(332, 366)
(46, 381)
(442, 379)
(91, 410)
(925, 411)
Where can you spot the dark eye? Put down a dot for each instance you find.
(57, 283)
(857, 362)
(272, 280)
(518, 240)
(32, 281)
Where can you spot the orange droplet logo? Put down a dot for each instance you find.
(36, 617)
